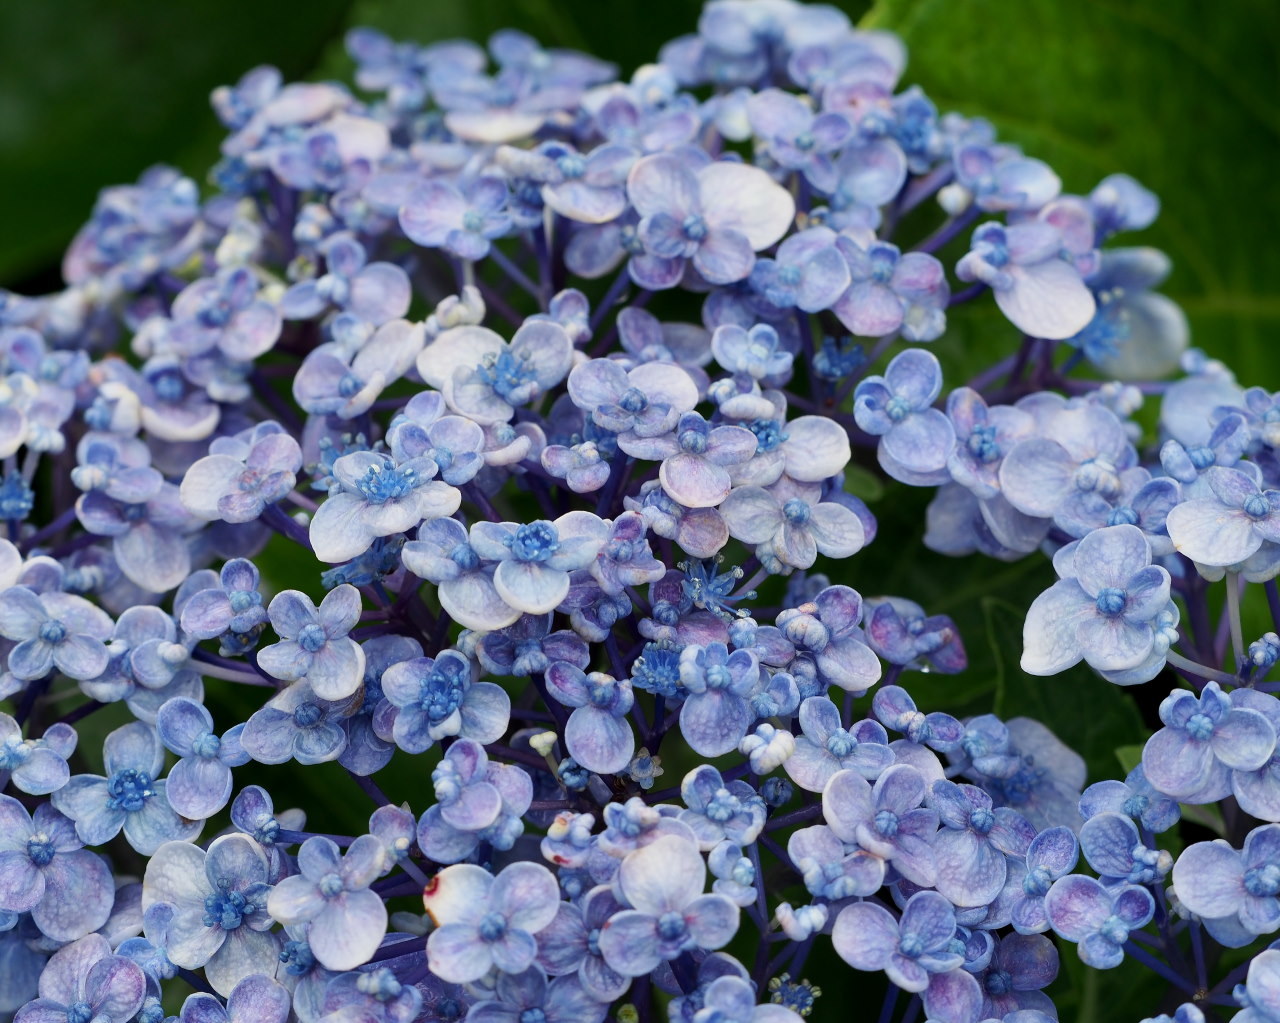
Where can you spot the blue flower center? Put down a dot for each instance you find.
(14, 753)
(493, 926)
(349, 386)
(1037, 881)
(982, 820)
(307, 715)
(441, 693)
(600, 693)
(1200, 727)
(841, 743)
(693, 439)
(789, 275)
(129, 790)
(380, 484)
(53, 631)
(796, 511)
(1262, 882)
(1202, 457)
(226, 909)
(998, 982)
(769, 434)
(534, 541)
(897, 409)
(1136, 805)
(464, 556)
(724, 805)
(312, 637)
(1114, 930)
(380, 983)
(1122, 516)
(982, 444)
(1256, 506)
(694, 227)
(1111, 601)
(472, 222)
(672, 928)
(572, 165)
(207, 746)
(633, 400)
(242, 600)
(803, 142)
(717, 676)
(886, 823)
(534, 1015)
(512, 377)
(593, 941)
(911, 946)
(81, 1012)
(40, 849)
(330, 885)
(297, 957)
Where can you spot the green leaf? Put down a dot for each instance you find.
(91, 94)
(1178, 97)
(1129, 756)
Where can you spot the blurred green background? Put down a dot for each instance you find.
(1178, 93)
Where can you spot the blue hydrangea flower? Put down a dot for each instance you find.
(826, 746)
(908, 950)
(235, 605)
(36, 766)
(1205, 738)
(487, 920)
(1228, 525)
(485, 378)
(597, 733)
(297, 724)
(529, 995)
(375, 292)
(535, 559)
(895, 709)
(1214, 880)
(477, 801)
(377, 497)
(46, 871)
(717, 712)
(809, 272)
(54, 630)
(1259, 995)
(331, 892)
(132, 795)
(663, 883)
(1098, 920)
(464, 582)
(890, 291)
(887, 820)
(916, 439)
(571, 944)
(975, 839)
(429, 699)
(1112, 846)
(148, 536)
(242, 475)
(85, 981)
(463, 221)
(1040, 292)
(1052, 854)
(830, 642)
(219, 901)
(256, 999)
(314, 642)
(1136, 797)
(716, 810)
(200, 782)
(718, 215)
(1103, 612)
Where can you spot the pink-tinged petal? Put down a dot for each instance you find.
(865, 935)
(740, 197)
(661, 184)
(1209, 532)
(664, 876)
(599, 741)
(693, 481)
(1209, 878)
(1047, 300)
(1077, 906)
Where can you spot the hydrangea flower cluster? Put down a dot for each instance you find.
(496, 419)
